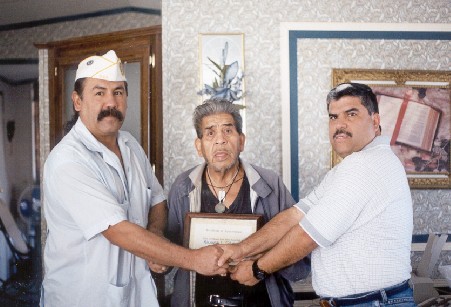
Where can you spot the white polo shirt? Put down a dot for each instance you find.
(85, 191)
(361, 217)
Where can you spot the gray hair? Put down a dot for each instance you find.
(215, 106)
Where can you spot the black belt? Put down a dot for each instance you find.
(365, 297)
(216, 300)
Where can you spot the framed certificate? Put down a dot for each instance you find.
(202, 229)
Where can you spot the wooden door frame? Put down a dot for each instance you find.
(143, 45)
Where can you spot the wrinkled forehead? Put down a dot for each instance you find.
(217, 120)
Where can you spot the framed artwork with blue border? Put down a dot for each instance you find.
(292, 33)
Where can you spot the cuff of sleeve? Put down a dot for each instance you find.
(303, 207)
(313, 233)
(158, 199)
(103, 225)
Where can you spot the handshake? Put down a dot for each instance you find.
(226, 259)
(219, 259)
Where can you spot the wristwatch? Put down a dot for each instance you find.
(258, 273)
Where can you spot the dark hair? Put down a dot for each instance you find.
(363, 91)
(215, 106)
(79, 86)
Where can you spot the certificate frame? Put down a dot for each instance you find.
(228, 228)
(426, 169)
(195, 222)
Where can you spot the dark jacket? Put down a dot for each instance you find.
(268, 195)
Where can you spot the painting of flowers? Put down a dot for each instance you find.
(222, 67)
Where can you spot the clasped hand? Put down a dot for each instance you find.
(239, 266)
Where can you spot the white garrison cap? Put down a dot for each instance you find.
(107, 67)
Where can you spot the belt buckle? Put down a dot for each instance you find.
(214, 303)
(325, 303)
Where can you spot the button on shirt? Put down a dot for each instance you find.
(86, 190)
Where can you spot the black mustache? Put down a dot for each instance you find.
(110, 112)
(339, 131)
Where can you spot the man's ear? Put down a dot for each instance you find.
(242, 141)
(76, 101)
(198, 145)
(376, 122)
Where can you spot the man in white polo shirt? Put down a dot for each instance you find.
(100, 194)
(357, 222)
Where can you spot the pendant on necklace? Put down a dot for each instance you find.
(220, 208)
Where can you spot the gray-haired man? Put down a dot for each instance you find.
(227, 184)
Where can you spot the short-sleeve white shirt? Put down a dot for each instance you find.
(361, 217)
(86, 190)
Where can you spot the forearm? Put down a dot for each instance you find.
(295, 245)
(271, 233)
(158, 216)
(149, 246)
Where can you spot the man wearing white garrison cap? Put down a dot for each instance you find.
(100, 194)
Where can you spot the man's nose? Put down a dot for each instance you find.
(220, 138)
(110, 100)
(340, 122)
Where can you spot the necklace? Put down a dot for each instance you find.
(221, 195)
(226, 186)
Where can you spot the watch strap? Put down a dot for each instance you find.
(257, 272)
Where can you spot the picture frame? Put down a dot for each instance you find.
(228, 228)
(415, 111)
(221, 57)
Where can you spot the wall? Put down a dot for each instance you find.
(4, 185)
(18, 153)
(19, 43)
(260, 20)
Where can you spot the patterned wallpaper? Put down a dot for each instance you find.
(259, 20)
(19, 43)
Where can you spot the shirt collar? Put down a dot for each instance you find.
(88, 139)
(378, 140)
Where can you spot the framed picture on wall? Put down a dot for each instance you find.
(415, 111)
(221, 57)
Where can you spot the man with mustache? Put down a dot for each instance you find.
(100, 194)
(224, 183)
(357, 223)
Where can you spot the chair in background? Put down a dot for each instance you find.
(21, 287)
